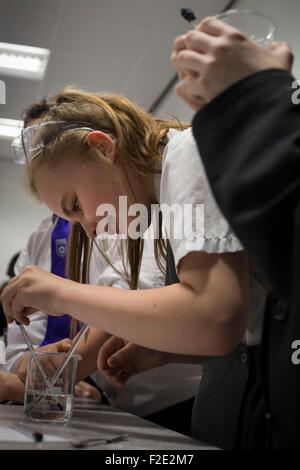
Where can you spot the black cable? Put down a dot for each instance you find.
(174, 79)
(229, 5)
(163, 94)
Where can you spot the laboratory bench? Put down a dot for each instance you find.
(91, 420)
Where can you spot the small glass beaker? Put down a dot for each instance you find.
(54, 403)
(258, 27)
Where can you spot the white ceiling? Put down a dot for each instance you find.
(110, 45)
(100, 45)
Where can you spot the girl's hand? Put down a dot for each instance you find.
(185, 75)
(11, 388)
(49, 364)
(119, 360)
(216, 55)
(31, 291)
(85, 390)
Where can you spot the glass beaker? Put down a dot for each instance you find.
(258, 27)
(54, 403)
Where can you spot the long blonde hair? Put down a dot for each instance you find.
(139, 140)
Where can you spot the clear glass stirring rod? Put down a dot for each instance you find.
(71, 351)
(34, 356)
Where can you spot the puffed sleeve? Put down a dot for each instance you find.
(192, 218)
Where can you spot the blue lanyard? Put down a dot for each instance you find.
(58, 328)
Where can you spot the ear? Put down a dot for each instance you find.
(103, 142)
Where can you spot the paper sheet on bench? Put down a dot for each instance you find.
(11, 435)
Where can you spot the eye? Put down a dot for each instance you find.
(75, 206)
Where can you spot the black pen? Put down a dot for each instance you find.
(27, 431)
(189, 16)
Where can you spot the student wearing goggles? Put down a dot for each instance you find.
(204, 308)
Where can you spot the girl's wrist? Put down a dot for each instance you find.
(64, 297)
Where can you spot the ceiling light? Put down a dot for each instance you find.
(23, 61)
(10, 128)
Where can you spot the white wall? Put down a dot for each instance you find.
(18, 215)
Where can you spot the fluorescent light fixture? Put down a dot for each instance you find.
(23, 61)
(10, 128)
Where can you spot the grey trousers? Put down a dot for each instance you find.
(229, 409)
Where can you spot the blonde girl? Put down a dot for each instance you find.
(90, 150)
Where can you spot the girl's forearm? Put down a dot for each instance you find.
(172, 319)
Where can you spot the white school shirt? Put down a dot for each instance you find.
(143, 394)
(183, 181)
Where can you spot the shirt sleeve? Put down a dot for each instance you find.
(16, 346)
(192, 218)
(22, 261)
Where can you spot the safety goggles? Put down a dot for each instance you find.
(18, 150)
(34, 138)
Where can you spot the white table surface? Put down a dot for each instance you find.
(92, 420)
